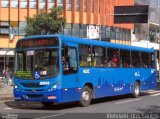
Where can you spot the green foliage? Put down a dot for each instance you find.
(45, 23)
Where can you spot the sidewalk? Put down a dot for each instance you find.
(6, 93)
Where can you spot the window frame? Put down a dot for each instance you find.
(42, 4)
(85, 6)
(33, 4)
(92, 6)
(14, 3)
(126, 58)
(77, 5)
(22, 3)
(103, 57)
(69, 5)
(110, 57)
(152, 62)
(4, 3)
(137, 51)
(70, 71)
(86, 66)
(148, 64)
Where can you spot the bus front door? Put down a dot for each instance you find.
(70, 79)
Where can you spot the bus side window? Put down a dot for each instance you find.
(152, 60)
(69, 60)
(65, 62)
(98, 56)
(136, 62)
(113, 57)
(125, 58)
(85, 56)
(72, 55)
(145, 59)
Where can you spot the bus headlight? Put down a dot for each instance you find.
(52, 88)
(17, 88)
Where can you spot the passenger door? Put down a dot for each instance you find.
(70, 77)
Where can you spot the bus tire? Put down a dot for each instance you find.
(136, 91)
(86, 95)
(47, 104)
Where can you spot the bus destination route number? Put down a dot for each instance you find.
(25, 74)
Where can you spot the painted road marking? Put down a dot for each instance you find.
(27, 105)
(7, 108)
(51, 116)
(152, 92)
(127, 101)
(158, 94)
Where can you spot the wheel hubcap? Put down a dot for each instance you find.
(137, 90)
(85, 96)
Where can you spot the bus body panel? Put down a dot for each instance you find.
(148, 79)
(70, 82)
(70, 85)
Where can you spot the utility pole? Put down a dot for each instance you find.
(100, 32)
(159, 37)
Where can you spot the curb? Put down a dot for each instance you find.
(6, 98)
(6, 95)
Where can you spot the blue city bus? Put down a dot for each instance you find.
(57, 69)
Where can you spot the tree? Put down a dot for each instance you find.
(45, 23)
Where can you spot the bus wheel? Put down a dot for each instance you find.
(136, 92)
(47, 104)
(85, 99)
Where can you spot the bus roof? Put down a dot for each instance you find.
(105, 44)
(86, 41)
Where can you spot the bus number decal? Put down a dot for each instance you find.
(137, 73)
(44, 83)
(86, 71)
(152, 71)
(118, 89)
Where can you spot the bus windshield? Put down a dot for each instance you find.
(37, 64)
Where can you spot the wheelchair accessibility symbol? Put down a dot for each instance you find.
(37, 74)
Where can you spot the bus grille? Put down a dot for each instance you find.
(32, 85)
(35, 96)
(37, 90)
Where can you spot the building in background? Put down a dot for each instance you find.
(84, 18)
(148, 34)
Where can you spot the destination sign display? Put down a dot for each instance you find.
(24, 74)
(38, 42)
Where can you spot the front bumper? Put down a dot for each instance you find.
(54, 96)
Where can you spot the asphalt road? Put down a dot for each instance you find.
(123, 106)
